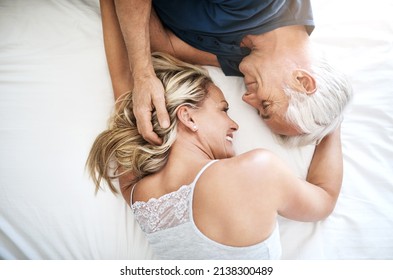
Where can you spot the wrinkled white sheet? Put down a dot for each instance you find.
(56, 96)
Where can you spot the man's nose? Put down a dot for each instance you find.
(248, 98)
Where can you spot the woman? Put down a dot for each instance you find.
(191, 195)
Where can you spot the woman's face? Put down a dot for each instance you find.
(215, 127)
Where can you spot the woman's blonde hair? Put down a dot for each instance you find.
(121, 150)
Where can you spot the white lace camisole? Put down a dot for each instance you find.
(171, 231)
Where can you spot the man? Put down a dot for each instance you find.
(298, 95)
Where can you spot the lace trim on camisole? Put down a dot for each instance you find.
(167, 211)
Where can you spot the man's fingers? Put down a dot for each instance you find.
(162, 113)
(145, 128)
(149, 94)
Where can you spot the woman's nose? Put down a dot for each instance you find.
(234, 126)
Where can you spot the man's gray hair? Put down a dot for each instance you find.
(320, 113)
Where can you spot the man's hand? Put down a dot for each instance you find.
(149, 94)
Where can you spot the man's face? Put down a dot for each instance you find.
(265, 78)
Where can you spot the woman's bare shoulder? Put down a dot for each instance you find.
(227, 184)
(241, 168)
(257, 159)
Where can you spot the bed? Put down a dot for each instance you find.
(56, 96)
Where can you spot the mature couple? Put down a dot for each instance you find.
(188, 190)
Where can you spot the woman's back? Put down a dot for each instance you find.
(174, 229)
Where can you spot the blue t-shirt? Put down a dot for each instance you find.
(218, 26)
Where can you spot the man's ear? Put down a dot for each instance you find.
(184, 114)
(304, 81)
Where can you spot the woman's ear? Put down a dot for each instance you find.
(184, 114)
(304, 81)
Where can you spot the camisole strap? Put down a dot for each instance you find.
(203, 170)
(132, 192)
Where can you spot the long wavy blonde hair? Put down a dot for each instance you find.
(121, 150)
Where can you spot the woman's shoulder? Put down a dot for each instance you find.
(255, 155)
(241, 168)
(257, 159)
(235, 194)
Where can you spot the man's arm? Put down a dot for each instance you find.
(132, 30)
(163, 40)
(148, 92)
(143, 33)
(134, 18)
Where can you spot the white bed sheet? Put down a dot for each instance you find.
(56, 96)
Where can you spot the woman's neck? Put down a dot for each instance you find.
(184, 162)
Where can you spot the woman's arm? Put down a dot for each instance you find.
(315, 199)
(115, 49)
(257, 186)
